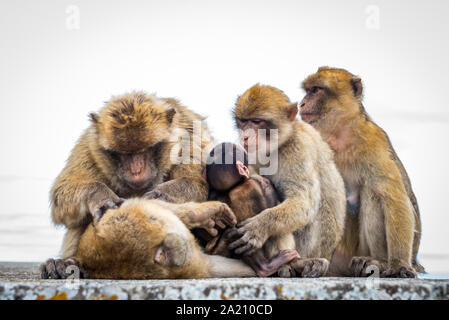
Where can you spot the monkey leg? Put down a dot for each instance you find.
(277, 243)
(222, 267)
(310, 267)
(264, 267)
(386, 233)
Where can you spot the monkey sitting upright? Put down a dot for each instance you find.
(150, 239)
(229, 181)
(383, 226)
(126, 152)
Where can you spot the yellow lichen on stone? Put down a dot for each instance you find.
(60, 296)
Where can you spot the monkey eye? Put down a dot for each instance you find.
(314, 89)
(256, 121)
(112, 154)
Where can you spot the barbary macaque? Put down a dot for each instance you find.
(150, 239)
(303, 173)
(126, 152)
(229, 180)
(383, 227)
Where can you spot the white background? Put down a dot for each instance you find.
(206, 53)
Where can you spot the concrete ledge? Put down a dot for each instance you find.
(21, 281)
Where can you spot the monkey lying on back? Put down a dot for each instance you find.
(150, 239)
(229, 181)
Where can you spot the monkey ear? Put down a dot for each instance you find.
(292, 111)
(357, 87)
(243, 170)
(204, 174)
(170, 113)
(162, 256)
(93, 117)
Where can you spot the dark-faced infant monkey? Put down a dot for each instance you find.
(230, 182)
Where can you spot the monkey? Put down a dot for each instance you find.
(302, 170)
(150, 239)
(229, 181)
(126, 152)
(383, 227)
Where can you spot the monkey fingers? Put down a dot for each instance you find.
(157, 194)
(219, 212)
(62, 269)
(107, 204)
(366, 266)
(310, 268)
(402, 272)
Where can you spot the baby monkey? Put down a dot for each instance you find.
(230, 182)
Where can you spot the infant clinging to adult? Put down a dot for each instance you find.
(230, 182)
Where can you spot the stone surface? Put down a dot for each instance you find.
(21, 281)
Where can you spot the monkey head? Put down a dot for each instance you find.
(138, 240)
(226, 166)
(332, 94)
(129, 132)
(260, 109)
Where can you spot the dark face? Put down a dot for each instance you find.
(223, 177)
(137, 170)
(249, 134)
(312, 105)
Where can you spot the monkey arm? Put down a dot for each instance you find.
(295, 212)
(399, 219)
(186, 184)
(207, 215)
(79, 185)
(302, 197)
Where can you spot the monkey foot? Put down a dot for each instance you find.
(265, 268)
(365, 267)
(310, 267)
(63, 269)
(401, 272)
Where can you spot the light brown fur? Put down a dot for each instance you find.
(125, 242)
(308, 183)
(127, 124)
(386, 231)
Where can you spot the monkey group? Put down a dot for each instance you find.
(323, 195)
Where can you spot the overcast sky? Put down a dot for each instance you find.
(56, 68)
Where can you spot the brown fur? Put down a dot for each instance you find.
(127, 124)
(123, 244)
(308, 183)
(387, 229)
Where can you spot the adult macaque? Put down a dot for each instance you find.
(124, 153)
(228, 177)
(150, 239)
(383, 226)
(310, 188)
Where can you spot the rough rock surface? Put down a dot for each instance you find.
(21, 281)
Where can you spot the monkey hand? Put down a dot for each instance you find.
(62, 269)
(157, 194)
(102, 200)
(212, 214)
(250, 236)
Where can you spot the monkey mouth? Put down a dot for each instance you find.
(137, 184)
(310, 117)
